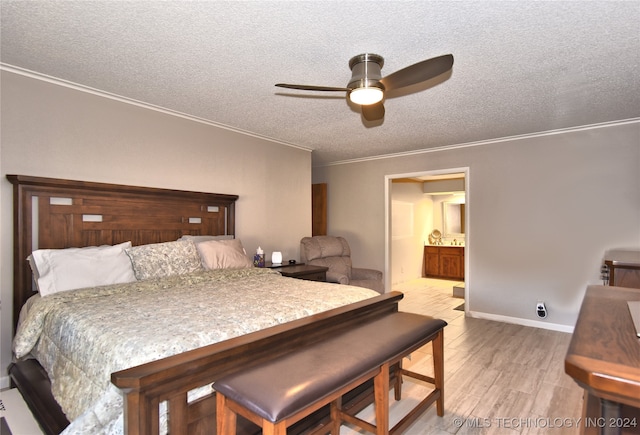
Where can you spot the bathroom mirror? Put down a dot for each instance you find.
(453, 218)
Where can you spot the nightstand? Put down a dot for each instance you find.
(304, 271)
(270, 265)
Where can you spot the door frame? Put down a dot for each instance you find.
(468, 209)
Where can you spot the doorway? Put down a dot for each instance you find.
(416, 205)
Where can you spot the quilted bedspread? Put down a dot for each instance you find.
(80, 337)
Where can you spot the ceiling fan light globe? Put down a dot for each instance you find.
(366, 95)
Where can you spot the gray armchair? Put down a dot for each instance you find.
(334, 253)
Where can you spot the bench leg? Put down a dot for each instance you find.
(397, 387)
(438, 370)
(336, 416)
(226, 419)
(270, 428)
(381, 394)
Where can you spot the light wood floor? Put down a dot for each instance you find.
(500, 378)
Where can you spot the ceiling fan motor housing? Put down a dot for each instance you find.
(366, 71)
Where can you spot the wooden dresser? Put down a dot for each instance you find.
(445, 262)
(604, 359)
(623, 268)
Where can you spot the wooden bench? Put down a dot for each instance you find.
(278, 393)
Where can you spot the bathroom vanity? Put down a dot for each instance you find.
(444, 262)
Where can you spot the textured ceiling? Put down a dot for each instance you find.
(520, 66)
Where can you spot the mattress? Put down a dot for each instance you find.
(81, 336)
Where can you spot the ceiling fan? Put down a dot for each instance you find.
(367, 86)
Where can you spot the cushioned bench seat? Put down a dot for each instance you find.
(286, 389)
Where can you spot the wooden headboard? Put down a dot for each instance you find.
(52, 213)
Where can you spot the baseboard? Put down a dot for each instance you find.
(519, 321)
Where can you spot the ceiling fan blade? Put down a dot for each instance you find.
(418, 72)
(373, 112)
(311, 87)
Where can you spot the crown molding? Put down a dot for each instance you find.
(78, 87)
(489, 141)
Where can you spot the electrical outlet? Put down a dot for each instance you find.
(541, 310)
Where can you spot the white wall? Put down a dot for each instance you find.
(53, 131)
(407, 246)
(542, 211)
(424, 211)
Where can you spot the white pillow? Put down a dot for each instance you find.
(223, 254)
(58, 270)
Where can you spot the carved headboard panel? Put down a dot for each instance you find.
(52, 213)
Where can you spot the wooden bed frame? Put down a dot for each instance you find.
(53, 213)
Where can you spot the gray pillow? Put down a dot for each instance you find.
(159, 260)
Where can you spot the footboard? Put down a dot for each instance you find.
(170, 379)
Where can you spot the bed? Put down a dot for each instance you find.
(166, 391)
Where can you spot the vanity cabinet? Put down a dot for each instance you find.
(446, 262)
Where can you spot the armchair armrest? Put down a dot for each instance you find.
(362, 274)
